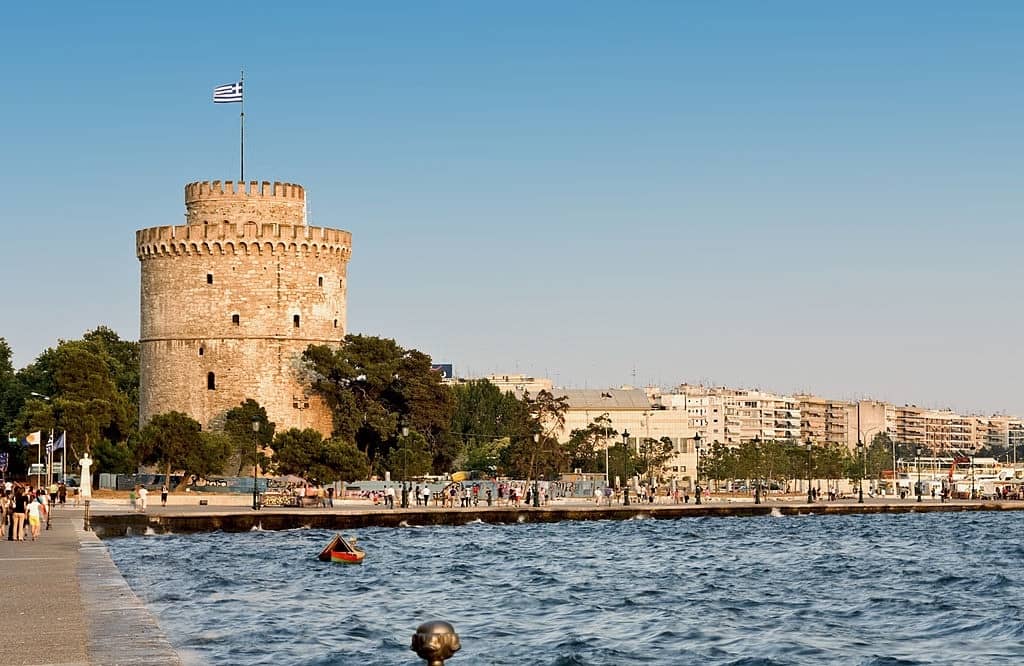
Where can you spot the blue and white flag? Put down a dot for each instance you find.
(32, 439)
(227, 93)
(59, 444)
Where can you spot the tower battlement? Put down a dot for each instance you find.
(249, 238)
(215, 189)
(215, 201)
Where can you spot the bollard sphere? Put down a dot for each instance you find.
(435, 641)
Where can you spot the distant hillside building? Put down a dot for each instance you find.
(231, 299)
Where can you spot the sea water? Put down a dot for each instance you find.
(877, 589)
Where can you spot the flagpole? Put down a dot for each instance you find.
(64, 458)
(241, 117)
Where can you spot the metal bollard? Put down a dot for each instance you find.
(435, 641)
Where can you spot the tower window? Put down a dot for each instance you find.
(211, 381)
(320, 281)
(341, 283)
(236, 319)
(201, 351)
(209, 278)
(295, 320)
(335, 323)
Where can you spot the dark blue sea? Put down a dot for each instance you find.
(822, 590)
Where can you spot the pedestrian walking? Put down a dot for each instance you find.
(34, 513)
(143, 494)
(163, 495)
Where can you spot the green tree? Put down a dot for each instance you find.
(371, 383)
(543, 455)
(410, 459)
(305, 453)
(172, 440)
(208, 457)
(586, 446)
(621, 462)
(344, 462)
(113, 458)
(238, 428)
(10, 403)
(484, 419)
(482, 455)
(652, 454)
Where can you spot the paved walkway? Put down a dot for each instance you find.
(63, 602)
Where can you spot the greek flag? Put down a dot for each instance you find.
(227, 93)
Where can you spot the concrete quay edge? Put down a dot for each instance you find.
(231, 519)
(64, 603)
(121, 630)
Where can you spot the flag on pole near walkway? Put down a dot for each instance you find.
(59, 444)
(227, 93)
(32, 439)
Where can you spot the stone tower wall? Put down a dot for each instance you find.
(220, 295)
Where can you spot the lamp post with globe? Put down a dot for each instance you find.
(625, 468)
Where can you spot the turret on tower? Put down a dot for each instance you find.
(231, 299)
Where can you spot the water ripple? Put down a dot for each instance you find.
(885, 590)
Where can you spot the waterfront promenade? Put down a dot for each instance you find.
(66, 603)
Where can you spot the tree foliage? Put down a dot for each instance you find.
(238, 427)
(533, 450)
(174, 441)
(586, 446)
(410, 459)
(371, 384)
(305, 453)
(484, 420)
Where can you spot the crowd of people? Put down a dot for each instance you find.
(25, 509)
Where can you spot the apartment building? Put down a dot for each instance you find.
(634, 411)
(823, 421)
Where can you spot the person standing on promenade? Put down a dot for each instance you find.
(62, 494)
(426, 495)
(143, 494)
(330, 497)
(5, 511)
(163, 495)
(18, 517)
(389, 498)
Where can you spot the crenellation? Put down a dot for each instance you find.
(229, 189)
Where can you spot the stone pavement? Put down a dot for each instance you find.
(63, 602)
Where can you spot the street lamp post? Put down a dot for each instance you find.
(860, 481)
(917, 463)
(39, 448)
(536, 486)
(405, 467)
(810, 494)
(255, 462)
(696, 490)
(757, 470)
(972, 476)
(625, 468)
(606, 418)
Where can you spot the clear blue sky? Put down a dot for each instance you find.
(787, 195)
